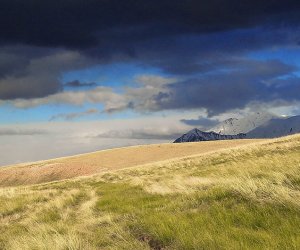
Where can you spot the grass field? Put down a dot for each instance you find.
(246, 197)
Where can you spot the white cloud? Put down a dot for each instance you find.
(69, 138)
(103, 95)
(139, 98)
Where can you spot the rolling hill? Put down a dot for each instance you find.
(227, 196)
(106, 160)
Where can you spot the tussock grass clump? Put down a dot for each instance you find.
(244, 198)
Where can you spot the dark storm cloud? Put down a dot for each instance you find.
(186, 54)
(204, 42)
(31, 72)
(88, 23)
(258, 82)
(11, 64)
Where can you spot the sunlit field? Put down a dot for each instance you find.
(247, 197)
(107, 160)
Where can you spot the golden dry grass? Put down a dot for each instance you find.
(106, 160)
(246, 197)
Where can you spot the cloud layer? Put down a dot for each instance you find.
(55, 139)
(201, 49)
(85, 24)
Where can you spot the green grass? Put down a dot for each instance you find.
(247, 198)
(216, 219)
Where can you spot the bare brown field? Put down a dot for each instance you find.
(106, 160)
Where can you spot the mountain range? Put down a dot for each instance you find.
(276, 127)
(198, 135)
(233, 126)
(258, 125)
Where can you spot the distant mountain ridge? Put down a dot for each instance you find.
(198, 135)
(277, 128)
(259, 125)
(233, 126)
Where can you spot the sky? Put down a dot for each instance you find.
(83, 75)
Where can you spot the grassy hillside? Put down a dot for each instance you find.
(243, 198)
(106, 160)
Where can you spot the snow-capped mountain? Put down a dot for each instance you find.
(198, 135)
(233, 126)
(276, 128)
(259, 125)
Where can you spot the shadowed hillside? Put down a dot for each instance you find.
(241, 198)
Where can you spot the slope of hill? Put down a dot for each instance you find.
(276, 128)
(105, 160)
(234, 126)
(195, 135)
(241, 198)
